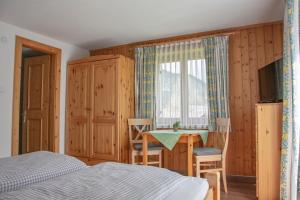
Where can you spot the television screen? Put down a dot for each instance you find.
(270, 82)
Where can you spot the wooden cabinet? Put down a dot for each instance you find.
(100, 100)
(268, 150)
(78, 107)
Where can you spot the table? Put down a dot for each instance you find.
(185, 138)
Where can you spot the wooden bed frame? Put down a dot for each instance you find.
(213, 179)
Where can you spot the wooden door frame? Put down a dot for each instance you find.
(55, 54)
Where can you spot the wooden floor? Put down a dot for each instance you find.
(238, 191)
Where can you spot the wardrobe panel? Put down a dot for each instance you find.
(104, 86)
(78, 110)
(105, 144)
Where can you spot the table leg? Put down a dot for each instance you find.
(190, 155)
(145, 149)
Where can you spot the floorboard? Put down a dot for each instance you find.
(239, 191)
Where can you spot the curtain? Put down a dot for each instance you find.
(145, 83)
(181, 85)
(183, 81)
(216, 56)
(289, 186)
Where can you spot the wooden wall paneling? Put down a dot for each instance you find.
(269, 51)
(250, 48)
(125, 50)
(277, 41)
(236, 105)
(247, 152)
(260, 47)
(254, 91)
(232, 97)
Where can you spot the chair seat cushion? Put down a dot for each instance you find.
(139, 147)
(206, 151)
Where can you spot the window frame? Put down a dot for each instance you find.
(184, 95)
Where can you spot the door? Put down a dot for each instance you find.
(104, 129)
(78, 110)
(36, 103)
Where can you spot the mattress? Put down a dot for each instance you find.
(20, 171)
(115, 181)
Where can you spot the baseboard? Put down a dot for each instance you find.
(241, 179)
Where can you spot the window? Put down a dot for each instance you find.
(181, 93)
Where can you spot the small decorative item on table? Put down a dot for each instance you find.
(176, 126)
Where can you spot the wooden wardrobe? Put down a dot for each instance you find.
(268, 150)
(100, 99)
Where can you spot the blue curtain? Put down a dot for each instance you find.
(145, 83)
(216, 58)
(289, 187)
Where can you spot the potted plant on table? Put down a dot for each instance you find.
(176, 126)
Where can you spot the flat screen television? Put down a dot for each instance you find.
(270, 82)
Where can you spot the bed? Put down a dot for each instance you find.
(20, 171)
(120, 182)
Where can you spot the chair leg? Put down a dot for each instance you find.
(197, 168)
(132, 158)
(160, 159)
(224, 176)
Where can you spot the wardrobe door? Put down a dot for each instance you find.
(78, 110)
(104, 129)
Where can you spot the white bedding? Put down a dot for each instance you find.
(194, 189)
(115, 181)
(19, 171)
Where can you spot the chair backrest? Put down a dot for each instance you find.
(140, 125)
(223, 127)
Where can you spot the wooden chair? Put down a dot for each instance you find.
(214, 158)
(136, 143)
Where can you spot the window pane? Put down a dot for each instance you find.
(197, 93)
(168, 94)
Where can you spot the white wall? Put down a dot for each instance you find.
(7, 53)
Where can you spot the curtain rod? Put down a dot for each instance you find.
(181, 40)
